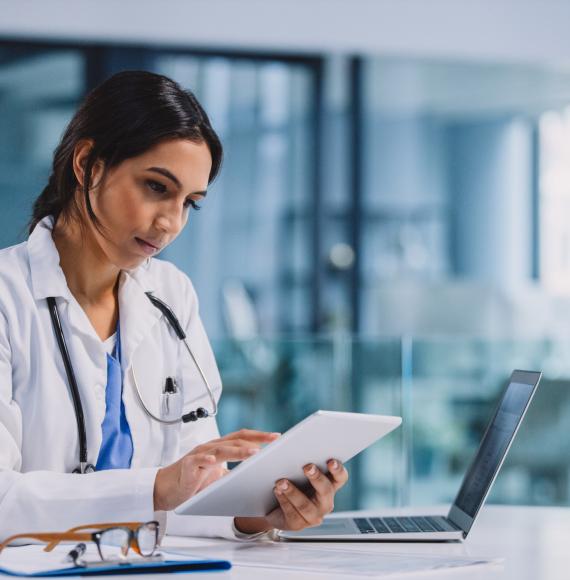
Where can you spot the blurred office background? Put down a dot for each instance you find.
(391, 229)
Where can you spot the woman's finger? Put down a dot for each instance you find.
(308, 510)
(323, 486)
(338, 473)
(210, 475)
(194, 470)
(232, 452)
(244, 438)
(252, 435)
(293, 519)
(225, 442)
(196, 460)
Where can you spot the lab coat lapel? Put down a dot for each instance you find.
(136, 314)
(141, 351)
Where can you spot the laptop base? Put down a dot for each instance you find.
(380, 529)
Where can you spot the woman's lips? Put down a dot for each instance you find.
(146, 247)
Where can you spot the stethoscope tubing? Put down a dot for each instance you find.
(84, 465)
(75, 397)
(212, 413)
(214, 410)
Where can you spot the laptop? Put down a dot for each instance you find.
(472, 494)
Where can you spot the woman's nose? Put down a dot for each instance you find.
(170, 222)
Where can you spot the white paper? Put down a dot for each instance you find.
(32, 559)
(358, 561)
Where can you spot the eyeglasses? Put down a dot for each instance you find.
(113, 541)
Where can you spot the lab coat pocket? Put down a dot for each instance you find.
(144, 384)
(171, 407)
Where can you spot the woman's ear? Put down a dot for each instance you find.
(80, 156)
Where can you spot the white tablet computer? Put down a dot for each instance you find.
(248, 489)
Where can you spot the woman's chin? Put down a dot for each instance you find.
(129, 262)
(134, 264)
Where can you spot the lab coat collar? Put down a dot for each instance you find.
(137, 315)
(47, 276)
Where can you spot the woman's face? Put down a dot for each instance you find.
(144, 202)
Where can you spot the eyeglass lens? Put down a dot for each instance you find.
(114, 543)
(147, 538)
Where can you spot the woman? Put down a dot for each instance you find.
(135, 160)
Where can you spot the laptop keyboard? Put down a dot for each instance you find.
(404, 525)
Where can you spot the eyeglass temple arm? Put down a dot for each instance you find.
(131, 525)
(54, 538)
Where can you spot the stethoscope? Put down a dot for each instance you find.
(170, 388)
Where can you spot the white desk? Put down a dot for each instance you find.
(534, 542)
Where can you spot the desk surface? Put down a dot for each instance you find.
(534, 544)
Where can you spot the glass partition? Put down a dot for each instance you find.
(252, 240)
(444, 389)
(39, 91)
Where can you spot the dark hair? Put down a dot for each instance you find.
(125, 116)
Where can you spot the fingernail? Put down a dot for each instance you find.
(275, 434)
(334, 464)
(278, 491)
(253, 451)
(312, 470)
(283, 486)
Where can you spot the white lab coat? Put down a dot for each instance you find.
(38, 429)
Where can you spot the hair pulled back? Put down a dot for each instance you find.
(125, 116)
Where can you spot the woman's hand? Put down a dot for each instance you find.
(179, 481)
(297, 510)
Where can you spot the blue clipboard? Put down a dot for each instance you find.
(161, 567)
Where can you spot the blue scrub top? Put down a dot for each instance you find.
(117, 445)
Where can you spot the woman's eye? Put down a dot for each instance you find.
(191, 203)
(156, 186)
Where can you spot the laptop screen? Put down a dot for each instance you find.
(496, 442)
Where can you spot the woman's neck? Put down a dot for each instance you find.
(90, 276)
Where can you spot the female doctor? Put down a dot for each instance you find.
(87, 359)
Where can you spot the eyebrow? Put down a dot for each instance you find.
(165, 173)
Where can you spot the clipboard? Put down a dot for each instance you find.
(32, 562)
